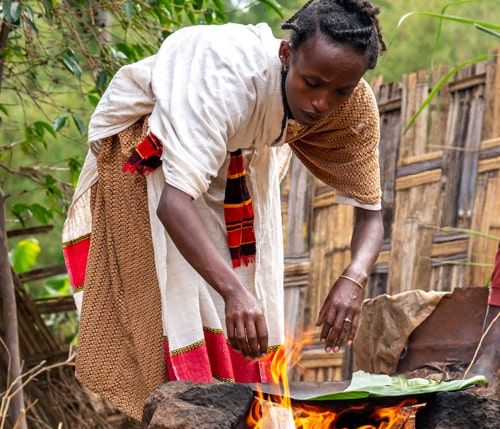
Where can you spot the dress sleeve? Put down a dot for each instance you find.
(204, 86)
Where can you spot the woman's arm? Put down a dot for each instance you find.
(245, 322)
(340, 312)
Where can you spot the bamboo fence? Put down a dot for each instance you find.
(443, 172)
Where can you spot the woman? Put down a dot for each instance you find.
(212, 109)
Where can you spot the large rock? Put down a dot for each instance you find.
(459, 410)
(183, 405)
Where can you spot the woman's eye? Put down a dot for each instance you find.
(343, 91)
(311, 83)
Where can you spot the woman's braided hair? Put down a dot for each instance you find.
(350, 22)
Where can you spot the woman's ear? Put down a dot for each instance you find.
(285, 54)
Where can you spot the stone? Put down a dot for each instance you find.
(184, 405)
(459, 410)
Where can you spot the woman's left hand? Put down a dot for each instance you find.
(340, 314)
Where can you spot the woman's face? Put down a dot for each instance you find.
(320, 77)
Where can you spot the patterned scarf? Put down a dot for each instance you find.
(238, 209)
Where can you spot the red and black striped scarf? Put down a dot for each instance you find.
(238, 209)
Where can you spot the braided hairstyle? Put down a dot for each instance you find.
(350, 22)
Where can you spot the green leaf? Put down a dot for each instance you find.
(198, 4)
(440, 84)
(71, 63)
(78, 123)
(94, 100)
(42, 126)
(31, 17)
(364, 385)
(487, 30)
(75, 166)
(59, 284)
(470, 232)
(21, 212)
(60, 122)
(129, 10)
(101, 79)
(40, 213)
(4, 110)
(453, 18)
(219, 9)
(274, 5)
(25, 254)
(15, 11)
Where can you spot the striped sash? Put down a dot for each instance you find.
(238, 209)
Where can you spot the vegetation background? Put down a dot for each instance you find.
(58, 57)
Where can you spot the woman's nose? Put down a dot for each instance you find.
(320, 104)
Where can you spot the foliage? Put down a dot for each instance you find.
(58, 59)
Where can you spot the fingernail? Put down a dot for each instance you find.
(336, 349)
(328, 349)
(349, 343)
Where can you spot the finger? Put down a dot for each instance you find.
(262, 334)
(321, 316)
(328, 319)
(253, 345)
(231, 337)
(354, 327)
(325, 331)
(335, 331)
(345, 330)
(241, 337)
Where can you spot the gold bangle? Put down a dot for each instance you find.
(353, 280)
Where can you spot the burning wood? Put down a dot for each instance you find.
(279, 411)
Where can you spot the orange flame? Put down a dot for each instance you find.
(277, 411)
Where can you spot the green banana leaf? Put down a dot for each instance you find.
(366, 385)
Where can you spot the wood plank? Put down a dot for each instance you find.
(415, 168)
(418, 179)
(467, 82)
(450, 248)
(324, 200)
(489, 164)
(29, 231)
(55, 305)
(390, 105)
(42, 273)
(430, 156)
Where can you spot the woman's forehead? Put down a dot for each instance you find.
(330, 62)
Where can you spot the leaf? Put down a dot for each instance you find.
(78, 123)
(60, 122)
(21, 212)
(71, 63)
(219, 9)
(59, 284)
(25, 254)
(366, 385)
(440, 84)
(40, 213)
(470, 232)
(4, 110)
(487, 30)
(129, 10)
(101, 80)
(94, 100)
(453, 18)
(15, 11)
(75, 166)
(274, 5)
(41, 126)
(31, 17)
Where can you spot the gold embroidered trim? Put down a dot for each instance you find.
(76, 240)
(77, 289)
(223, 379)
(213, 330)
(187, 348)
(274, 348)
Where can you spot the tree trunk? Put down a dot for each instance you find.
(16, 409)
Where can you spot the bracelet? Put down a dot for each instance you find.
(353, 280)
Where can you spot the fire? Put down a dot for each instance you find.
(278, 411)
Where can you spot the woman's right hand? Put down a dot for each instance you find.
(245, 323)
